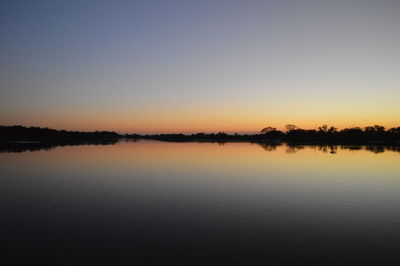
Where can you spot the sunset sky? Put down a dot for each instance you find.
(191, 66)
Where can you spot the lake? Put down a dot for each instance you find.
(165, 203)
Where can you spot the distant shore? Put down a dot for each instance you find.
(373, 135)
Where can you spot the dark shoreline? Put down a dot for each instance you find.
(20, 138)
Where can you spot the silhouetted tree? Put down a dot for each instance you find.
(323, 129)
(372, 134)
(375, 129)
(395, 130)
(290, 127)
(267, 130)
(332, 130)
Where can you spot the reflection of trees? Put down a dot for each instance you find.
(290, 148)
(325, 148)
(268, 147)
(37, 146)
(351, 148)
(332, 149)
(393, 148)
(372, 148)
(293, 149)
(375, 149)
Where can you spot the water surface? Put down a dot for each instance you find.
(151, 202)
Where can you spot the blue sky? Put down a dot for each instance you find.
(147, 66)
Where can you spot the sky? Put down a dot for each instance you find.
(199, 66)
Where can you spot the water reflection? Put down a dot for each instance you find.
(268, 147)
(332, 149)
(290, 147)
(21, 146)
(164, 203)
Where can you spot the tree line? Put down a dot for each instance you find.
(375, 133)
(294, 134)
(21, 133)
(324, 134)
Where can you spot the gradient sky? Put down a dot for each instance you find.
(189, 66)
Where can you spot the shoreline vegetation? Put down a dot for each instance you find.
(355, 135)
(327, 139)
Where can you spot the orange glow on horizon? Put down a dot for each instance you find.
(191, 120)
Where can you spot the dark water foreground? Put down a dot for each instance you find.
(158, 203)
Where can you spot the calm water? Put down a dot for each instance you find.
(139, 203)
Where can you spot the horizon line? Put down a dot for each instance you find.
(199, 132)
